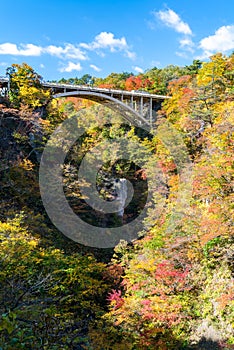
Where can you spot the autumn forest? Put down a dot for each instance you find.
(170, 288)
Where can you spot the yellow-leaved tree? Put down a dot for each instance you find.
(26, 87)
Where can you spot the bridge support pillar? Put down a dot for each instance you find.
(141, 106)
(151, 112)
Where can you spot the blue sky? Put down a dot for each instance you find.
(70, 38)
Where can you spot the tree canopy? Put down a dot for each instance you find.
(172, 288)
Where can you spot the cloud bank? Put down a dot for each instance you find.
(103, 43)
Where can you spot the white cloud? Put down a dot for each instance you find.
(66, 52)
(187, 44)
(42, 65)
(79, 52)
(130, 54)
(70, 67)
(173, 20)
(222, 40)
(97, 69)
(138, 69)
(30, 50)
(106, 40)
(22, 50)
(54, 50)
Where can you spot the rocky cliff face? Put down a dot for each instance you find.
(10, 124)
(20, 136)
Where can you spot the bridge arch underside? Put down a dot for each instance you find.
(127, 112)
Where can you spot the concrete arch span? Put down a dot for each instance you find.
(128, 113)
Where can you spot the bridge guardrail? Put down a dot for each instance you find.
(95, 88)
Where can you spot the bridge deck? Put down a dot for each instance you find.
(142, 104)
(58, 88)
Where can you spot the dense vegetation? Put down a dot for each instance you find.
(173, 288)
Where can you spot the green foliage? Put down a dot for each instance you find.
(86, 79)
(45, 293)
(114, 80)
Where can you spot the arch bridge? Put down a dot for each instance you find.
(136, 106)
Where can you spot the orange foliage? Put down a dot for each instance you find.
(136, 83)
